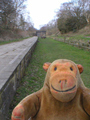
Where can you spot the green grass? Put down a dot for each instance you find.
(61, 37)
(79, 37)
(10, 41)
(88, 35)
(47, 50)
(82, 37)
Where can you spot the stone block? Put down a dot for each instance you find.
(11, 75)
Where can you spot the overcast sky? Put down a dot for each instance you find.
(43, 11)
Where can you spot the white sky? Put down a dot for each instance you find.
(43, 11)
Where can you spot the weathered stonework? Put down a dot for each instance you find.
(11, 77)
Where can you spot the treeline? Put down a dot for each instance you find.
(13, 15)
(73, 15)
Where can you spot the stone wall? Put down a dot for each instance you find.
(77, 43)
(8, 89)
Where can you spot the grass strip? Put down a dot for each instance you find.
(11, 41)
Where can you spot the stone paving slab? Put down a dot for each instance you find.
(10, 56)
(14, 58)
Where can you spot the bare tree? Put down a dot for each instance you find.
(6, 11)
(10, 12)
(84, 5)
(19, 6)
(72, 15)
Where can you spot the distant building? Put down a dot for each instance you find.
(41, 34)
